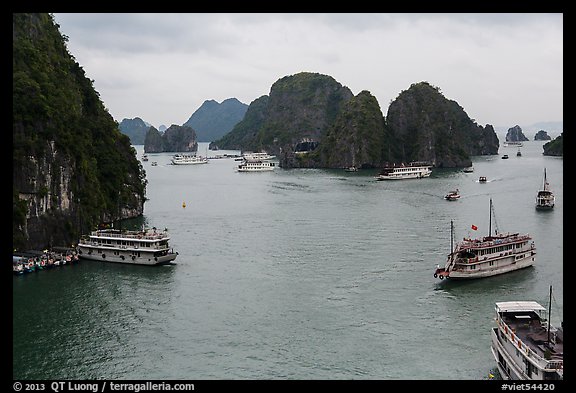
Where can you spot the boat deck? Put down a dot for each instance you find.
(532, 333)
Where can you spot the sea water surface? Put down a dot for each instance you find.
(296, 274)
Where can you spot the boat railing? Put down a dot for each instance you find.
(475, 243)
(136, 235)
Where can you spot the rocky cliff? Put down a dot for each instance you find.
(174, 139)
(542, 136)
(299, 106)
(554, 147)
(429, 127)
(316, 110)
(72, 167)
(356, 138)
(515, 134)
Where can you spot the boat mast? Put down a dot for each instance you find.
(490, 220)
(549, 311)
(451, 236)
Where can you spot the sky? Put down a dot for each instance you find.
(503, 69)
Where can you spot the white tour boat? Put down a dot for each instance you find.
(188, 159)
(545, 197)
(255, 166)
(513, 144)
(524, 344)
(487, 256)
(414, 170)
(144, 247)
(259, 156)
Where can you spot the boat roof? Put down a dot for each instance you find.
(516, 306)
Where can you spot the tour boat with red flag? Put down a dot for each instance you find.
(487, 256)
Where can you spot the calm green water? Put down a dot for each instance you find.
(295, 274)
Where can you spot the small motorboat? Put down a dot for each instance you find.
(505, 157)
(482, 179)
(452, 195)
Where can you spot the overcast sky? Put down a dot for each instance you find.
(503, 69)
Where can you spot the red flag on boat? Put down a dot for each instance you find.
(474, 227)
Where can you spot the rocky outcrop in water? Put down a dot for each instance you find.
(421, 125)
(174, 139)
(300, 106)
(429, 127)
(554, 147)
(515, 134)
(542, 136)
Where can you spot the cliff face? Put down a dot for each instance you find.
(315, 110)
(429, 127)
(542, 136)
(515, 134)
(72, 167)
(213, 120)
(554, 147)
(299, 106)
(356, 138)
(174, 139)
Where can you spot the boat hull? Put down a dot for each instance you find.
(519, 264)
(125, 256)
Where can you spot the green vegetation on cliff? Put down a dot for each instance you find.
(72, 166)
(554, 147)
(299, 106)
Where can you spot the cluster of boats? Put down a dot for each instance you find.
(256, 162)
(525, 345)
(31, 261)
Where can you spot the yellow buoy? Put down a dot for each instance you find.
(183, 204)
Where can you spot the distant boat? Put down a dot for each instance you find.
(487, 256)
(414, 170)
(512, 144)
(482, 179)
(469, 169)
(505, 156)
(453, 195)
(188, 159)
(545, 197)
(154, 163)
(351, 169)
(257, 156)
(144, 157)
(519, 153)
(255, 166)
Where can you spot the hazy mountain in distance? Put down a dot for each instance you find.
(213, 120)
